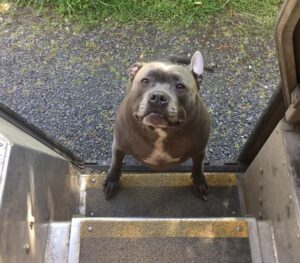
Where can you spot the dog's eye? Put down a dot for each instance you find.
(145, 81)
(180, 86)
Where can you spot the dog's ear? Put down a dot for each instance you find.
(197, 66)
(134, 69)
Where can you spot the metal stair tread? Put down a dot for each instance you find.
(163, 195)
(164, 239)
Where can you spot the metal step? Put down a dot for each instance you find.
(210, 240)
(161, 240)
(163, 195)
(156, 217)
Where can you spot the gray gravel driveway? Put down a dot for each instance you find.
(69, 82)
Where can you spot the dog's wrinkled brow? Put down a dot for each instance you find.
(163, 76)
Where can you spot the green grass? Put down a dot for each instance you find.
(163, 12)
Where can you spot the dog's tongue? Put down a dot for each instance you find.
(155, 120)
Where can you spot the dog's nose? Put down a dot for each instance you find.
(158, 99)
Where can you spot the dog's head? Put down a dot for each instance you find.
(164, 94)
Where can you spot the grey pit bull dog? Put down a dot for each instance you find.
(162, 121)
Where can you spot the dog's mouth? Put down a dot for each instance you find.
(157, 120)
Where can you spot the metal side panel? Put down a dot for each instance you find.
(270, 190)
(58, 243)
(288, 47)
(267, 242)
(255, 250)
(36, 187)
(74, 247)
(5, 148)
(285, 30)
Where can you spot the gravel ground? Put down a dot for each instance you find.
(69, 82)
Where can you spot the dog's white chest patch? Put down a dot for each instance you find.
(159, 154)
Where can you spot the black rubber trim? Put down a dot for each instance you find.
(132, 165)
(39, 135)
(264, 127)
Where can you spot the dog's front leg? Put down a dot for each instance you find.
(111, 183)
(199, 180)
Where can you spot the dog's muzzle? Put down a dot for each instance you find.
(158, 111)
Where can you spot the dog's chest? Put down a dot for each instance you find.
(159, 155)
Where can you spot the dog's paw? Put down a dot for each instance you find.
(201, 191)
(201, 188)
(110, 188)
